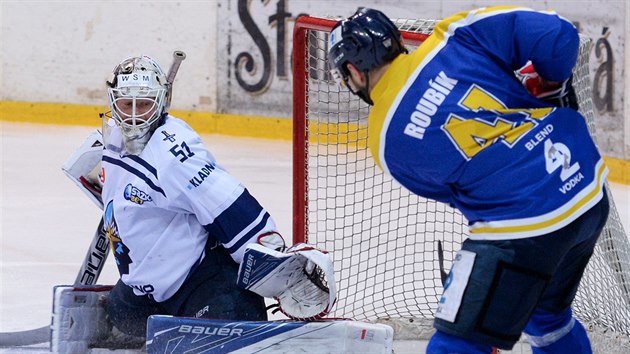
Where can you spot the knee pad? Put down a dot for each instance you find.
(443, 343)
(556, 333)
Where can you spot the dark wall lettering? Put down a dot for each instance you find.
(279, 18)
(244, 60)
(603, 82)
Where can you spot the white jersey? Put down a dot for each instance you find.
(164, 205)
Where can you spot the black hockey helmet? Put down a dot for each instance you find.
(367, 40)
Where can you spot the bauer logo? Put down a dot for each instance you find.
(211, 330)
(135, 195)
(248, 269)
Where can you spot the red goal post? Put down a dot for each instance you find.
(300, 89)
(391, 248)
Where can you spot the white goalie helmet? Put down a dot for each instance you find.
(139, 95)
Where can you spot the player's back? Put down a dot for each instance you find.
(452, 122)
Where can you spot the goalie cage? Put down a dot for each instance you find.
(344, 204)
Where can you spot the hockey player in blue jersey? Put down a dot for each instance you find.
(177, 221)
(452, 122)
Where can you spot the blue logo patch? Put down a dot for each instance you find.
(135, 195)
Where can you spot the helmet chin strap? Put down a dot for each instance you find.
(364, 92)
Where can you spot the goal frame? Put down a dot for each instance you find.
(300, 89)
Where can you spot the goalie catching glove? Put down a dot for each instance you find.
(557, 94)
(302, 280)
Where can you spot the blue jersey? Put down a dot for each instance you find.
(163, 206)
(451, 122)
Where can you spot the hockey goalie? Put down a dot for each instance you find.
(179, 225)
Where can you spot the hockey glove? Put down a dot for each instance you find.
(302, 280)
(558, 94)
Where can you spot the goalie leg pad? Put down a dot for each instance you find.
(181, 334)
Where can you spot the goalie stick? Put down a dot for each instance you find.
(93, 261)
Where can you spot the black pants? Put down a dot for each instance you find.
(209, 292)
(511, 278)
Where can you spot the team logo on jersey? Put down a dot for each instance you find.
(167, 136)
(135, 195)
(202, 174)
(121, 252)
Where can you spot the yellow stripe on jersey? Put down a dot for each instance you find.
(503, 9)
(396, 81)
(521, 228)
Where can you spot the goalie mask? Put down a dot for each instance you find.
(139, 96)
(367, 39)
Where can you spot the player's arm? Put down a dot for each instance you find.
(241, 221)
(541, 47)
(550, 45)
(227, 210)
(512, 36)
(516, 35)
(549, 41)
(300, 278)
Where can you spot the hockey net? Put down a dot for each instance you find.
(390, 247)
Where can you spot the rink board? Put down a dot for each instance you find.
(167, 334)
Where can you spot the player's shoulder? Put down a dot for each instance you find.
(173, 134)
(175, 143)
(175, 129)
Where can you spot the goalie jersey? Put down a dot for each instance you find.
(451, 122)
(166, 205)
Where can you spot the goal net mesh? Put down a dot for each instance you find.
(390, 247)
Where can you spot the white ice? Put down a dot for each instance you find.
(47, 223)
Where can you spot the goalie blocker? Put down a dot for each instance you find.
(302, 280)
